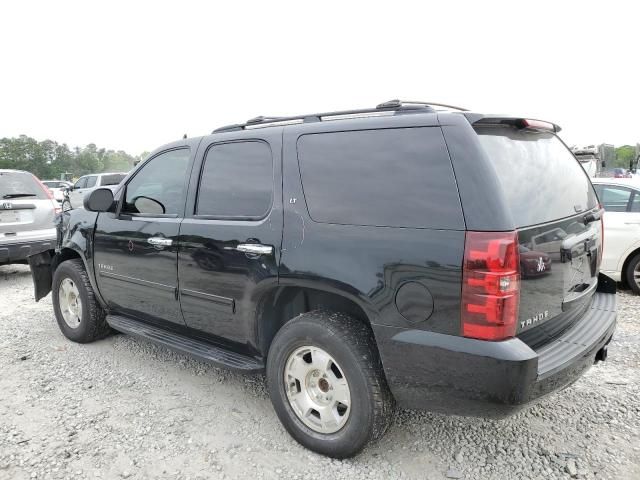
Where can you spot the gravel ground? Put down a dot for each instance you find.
(122, 408)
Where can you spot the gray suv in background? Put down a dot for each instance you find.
(27, 212)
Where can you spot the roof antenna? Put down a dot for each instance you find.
(184, 136)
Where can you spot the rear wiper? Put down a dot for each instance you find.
(19, 195)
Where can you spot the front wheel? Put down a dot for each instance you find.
(326, 383)
(66, 205)
(79, 315)
(632, 274)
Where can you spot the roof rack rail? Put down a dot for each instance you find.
(391, 106)
(399, 103)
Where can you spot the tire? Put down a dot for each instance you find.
(351, 347)
(633, 267)
(66, 205)
(85, 320)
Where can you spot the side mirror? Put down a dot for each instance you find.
(99, 200)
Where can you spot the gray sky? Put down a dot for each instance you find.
(134, 75)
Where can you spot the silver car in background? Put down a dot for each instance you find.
(58, 187)
(27, 213)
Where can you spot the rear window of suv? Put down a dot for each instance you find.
(399, 177)
(20, 185)
(540, 177)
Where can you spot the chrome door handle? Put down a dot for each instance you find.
(255, 248)
(160, 241)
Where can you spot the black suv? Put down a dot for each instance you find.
(406, 254)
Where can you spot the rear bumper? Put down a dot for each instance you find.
(463, 376)
(18, 252)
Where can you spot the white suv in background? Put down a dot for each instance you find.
(620, 198)
(88, 183)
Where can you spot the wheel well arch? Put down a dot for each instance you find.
(64, 255)
(286, 302)
(625, 264)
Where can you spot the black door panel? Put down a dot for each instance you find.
(136, 248)
(236, 207)
(134, 276)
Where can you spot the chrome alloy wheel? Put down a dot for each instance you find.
(70, 303)
(317, 389)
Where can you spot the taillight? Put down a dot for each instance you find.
(490, 285)
(49, 193)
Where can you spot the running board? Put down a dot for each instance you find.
(183, 344)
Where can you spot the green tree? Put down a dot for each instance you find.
(625, 156)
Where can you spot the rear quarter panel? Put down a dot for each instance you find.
(368, 264)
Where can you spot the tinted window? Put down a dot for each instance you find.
(81, 183)
(20, 185)
(236, 181)
(91, 181)
(113, 179)
(614, 199)
(540, 177)
(158, 187)
(396, 177)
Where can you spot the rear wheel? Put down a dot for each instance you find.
(79, 315)
(632, 274)
(326, 383)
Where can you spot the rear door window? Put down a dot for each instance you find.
(540, 177)
(91, 181)
(236, 181)
(112, 179)
(399, 177)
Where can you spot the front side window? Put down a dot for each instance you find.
(81, 183)
(236, 181)
(158, 187)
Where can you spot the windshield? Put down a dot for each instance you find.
(540, 177)
(113, 179)
(20, 185)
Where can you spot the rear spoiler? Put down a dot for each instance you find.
(529, 123)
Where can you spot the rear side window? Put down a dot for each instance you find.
(20, 185)
(394, 177)
(113, 179)
(236, 181)
(540, 177)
